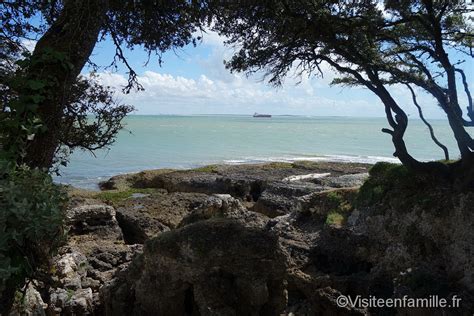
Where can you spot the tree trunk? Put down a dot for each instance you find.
(73, 34)
(463, 173)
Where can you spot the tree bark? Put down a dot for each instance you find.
(73, 34)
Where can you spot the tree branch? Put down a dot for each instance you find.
(430, 128)
(132, 75)
(470, 109)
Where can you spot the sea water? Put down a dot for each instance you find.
(150, 142)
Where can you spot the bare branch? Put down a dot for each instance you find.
(430, 128)
(132, 75)
(470, 109)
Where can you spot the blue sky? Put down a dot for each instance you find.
(194, 80)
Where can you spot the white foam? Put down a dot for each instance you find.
(330, 158)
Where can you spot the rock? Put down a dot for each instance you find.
(97, 217)
(306, 177)
(341, 252)
(94, 252)
(241, 186)
(435, 237)
(319, 204)
(149, 216)
(353, 218)
(79, 302)
(70, 269)
(344, 181)
(297, 235)
(31, 305)
(224, 206)
(81, 268)
(266, 246)
(281, 198)
(325, 303)
(241, 181)
(141, 179)
(212, 267)
(138, 226)
(139, 195)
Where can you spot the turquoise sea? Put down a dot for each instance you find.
(150, 142)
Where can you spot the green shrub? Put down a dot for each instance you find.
(334, 197)
(397, 183)
(334, 218)
(31, 226)
(382, 177)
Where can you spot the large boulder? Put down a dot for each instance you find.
(211, 267)
(225, 206)
(138, 225)
(86, 216)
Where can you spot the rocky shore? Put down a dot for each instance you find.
(267, 239)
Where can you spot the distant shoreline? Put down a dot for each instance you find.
(281, 115)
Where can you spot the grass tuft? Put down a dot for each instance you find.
(117, 196)
(208, 169)
(334, 218)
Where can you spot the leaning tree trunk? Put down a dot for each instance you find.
(74, 35)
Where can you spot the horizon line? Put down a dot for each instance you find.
(249, 114)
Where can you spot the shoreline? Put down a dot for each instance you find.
(299, 166)
(94, 184)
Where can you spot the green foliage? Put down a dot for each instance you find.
(31, 205)
(334, 197)
(403, 187)
(31, 223)
(382, 177)
(91, 118)
(20, 300)
(340, 204)
(24, 93)
(335, 219)
(70, 294)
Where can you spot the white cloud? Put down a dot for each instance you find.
(218, 91)
(167, 94)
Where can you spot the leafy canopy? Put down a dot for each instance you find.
(420, 44)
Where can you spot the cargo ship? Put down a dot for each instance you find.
(261, 115)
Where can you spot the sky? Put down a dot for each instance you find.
(194, 80)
